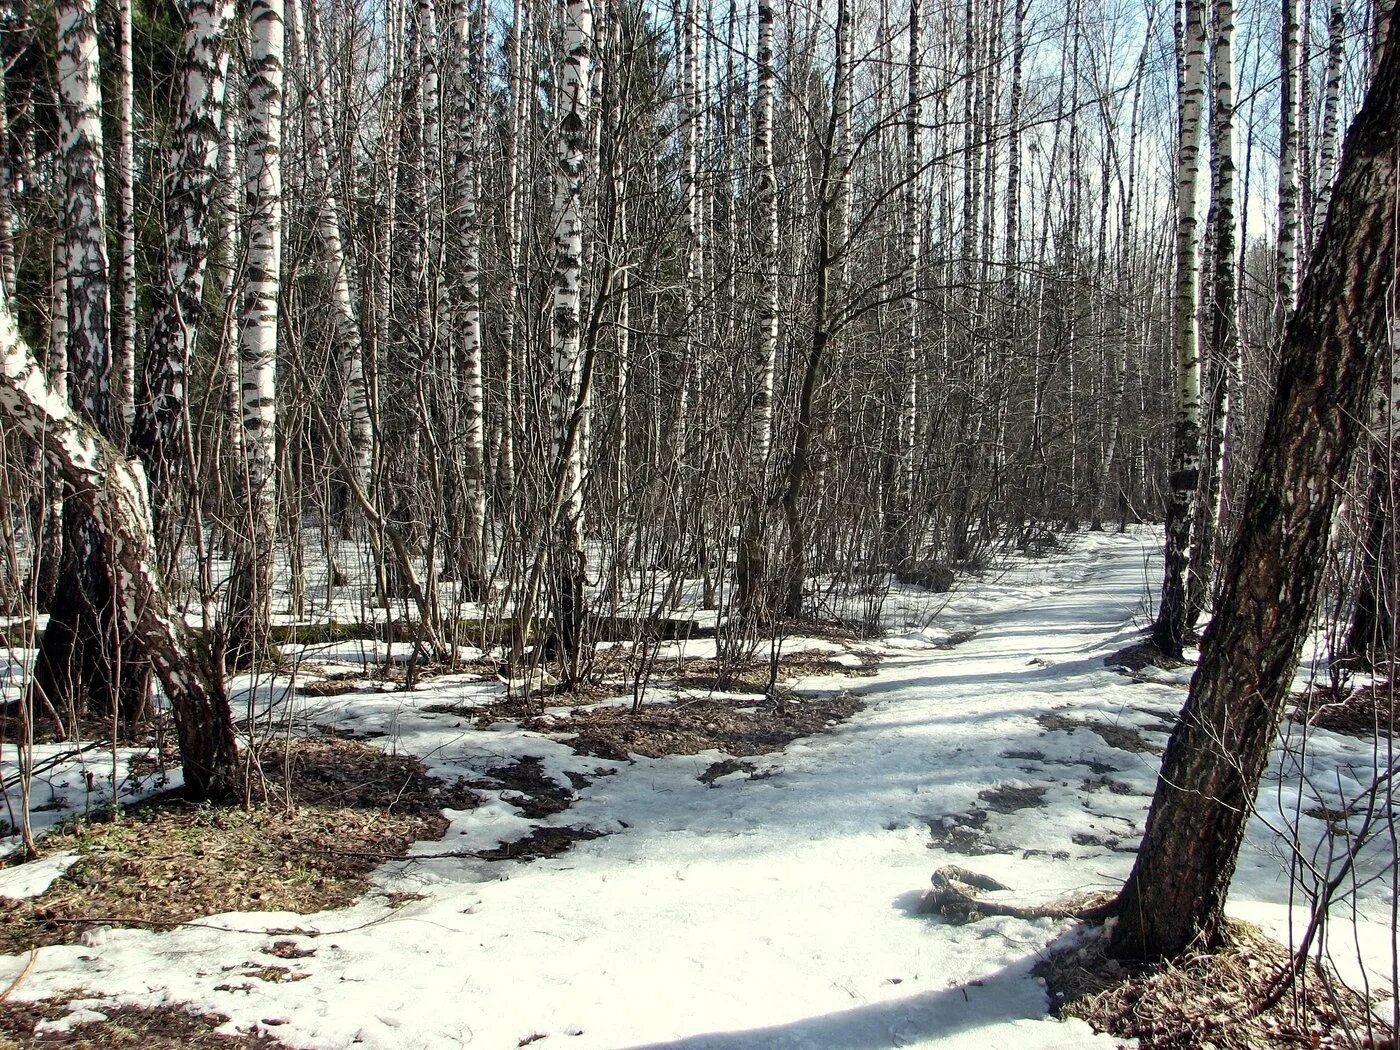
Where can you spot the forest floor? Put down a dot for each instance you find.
(723, 870)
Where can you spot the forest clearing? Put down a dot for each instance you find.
(776, 904)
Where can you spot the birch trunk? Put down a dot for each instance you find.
(1290, 143)
(469, 113)
(1174, 900)
(1223, 347)
(112, 494)
(567, 403)
(250, 590)
(353, 421)
(1169, 631)
(1331, 109)
(753, 540)
(124, 314)
(899, 541)
(79, 652)
(177, 294)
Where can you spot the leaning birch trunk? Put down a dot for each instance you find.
(250, 589)
(113, 496)
(566, 325)
(750, 569)
(1169, 631)
(76, 657)
(177, 294)
(1223, 347)
(1174, 900)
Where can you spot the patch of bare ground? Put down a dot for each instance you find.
(1124, 738)
(737, 726)
(336, 809)
(1368, 711)
(124, 1027)
(1140, 655)
(1221, 1000)
(540, 843)
(753, 676)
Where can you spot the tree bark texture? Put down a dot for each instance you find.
(1175, 897)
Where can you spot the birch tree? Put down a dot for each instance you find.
(112, 495)
(250, 588)
(1290, 145)
(80, 647)
(159, 433)
(1174, 899)
(568, 402)
(753, 539)
(1169, 630)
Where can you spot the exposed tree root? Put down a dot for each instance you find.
(954, 897)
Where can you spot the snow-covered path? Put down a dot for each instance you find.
(779, 910)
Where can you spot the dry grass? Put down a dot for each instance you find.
(1211, 1000)
(337, 807)
(124, 1028)
(1367, 712)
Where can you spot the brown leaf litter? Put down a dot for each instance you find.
(1216, 1000)
(336, 809)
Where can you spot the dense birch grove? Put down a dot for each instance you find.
(554, 321)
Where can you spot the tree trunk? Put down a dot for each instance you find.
(113, 496)
(177, 294)
(1169, 631)
(1223, 347)
(1175, 897)
(566, 395)
(250, 589)
(751, 569)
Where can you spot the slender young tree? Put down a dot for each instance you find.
(753, 538)
(1169, 630)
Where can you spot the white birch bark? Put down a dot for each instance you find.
(113, 494)
(354, 416)
(1290, 143)
(1223, 348)
(124, 315)
(1169, 629)
(566, 322)
(469, 116)
(1331, 110)
(511, 250)
(177, 293)
(912, 252)
(84, 259)
(251, 593)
